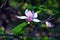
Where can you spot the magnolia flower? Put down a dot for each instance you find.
(48, 24)
(30, 16)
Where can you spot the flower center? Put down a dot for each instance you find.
(29, 19)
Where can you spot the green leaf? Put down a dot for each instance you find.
(44, 38)
(18, 28)
(43, 25)
(1, 31)
(25, 38)
(31, 7)
(39, 11)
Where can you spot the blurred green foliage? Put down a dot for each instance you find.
(18, 28)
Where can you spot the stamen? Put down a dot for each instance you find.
(28, 22)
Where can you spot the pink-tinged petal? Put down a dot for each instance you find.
(48, 24)
(36, 20)
(29, 19)
(29, 14)
(21, 17)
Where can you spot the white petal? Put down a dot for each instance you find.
(36, 20)
(21, 17)
(48, 24)
(26, 11)
(35, 15)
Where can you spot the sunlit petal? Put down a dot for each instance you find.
(36, 20)
(35, 15)
(21, 17)
(26, 11)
